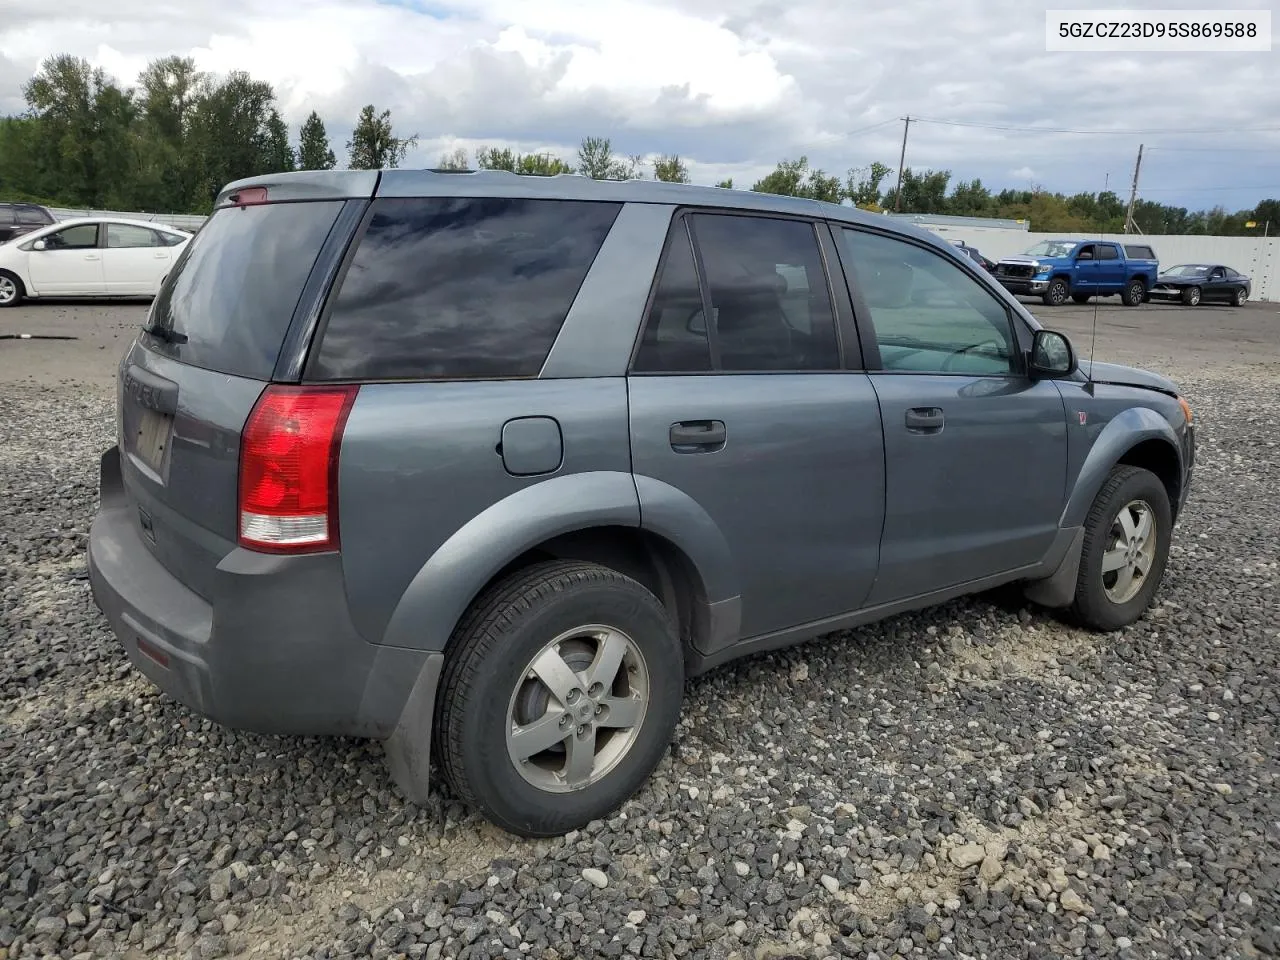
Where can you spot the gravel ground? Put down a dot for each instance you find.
(974, 781)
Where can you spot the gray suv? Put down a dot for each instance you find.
(485, 466)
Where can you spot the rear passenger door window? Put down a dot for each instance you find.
(674, 339)
(460, 288)
(766, 285)
(929, 315)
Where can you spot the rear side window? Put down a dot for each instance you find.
(1134, 252)
(1107, 252)
(127, 235)
(33, 216)
(233, 290)
(460, 288)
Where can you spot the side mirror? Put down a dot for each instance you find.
(38, 245)
(1086, 255)
(1051, 355)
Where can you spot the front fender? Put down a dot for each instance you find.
(1122, 433)
(436, 598)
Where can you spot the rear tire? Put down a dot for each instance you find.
(1122, 563)
(1191, 296)
(1239, 297)
(1135, 293)
(1056, 295)
(11, 289)
(518, 676)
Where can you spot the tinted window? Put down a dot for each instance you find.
(1107, 252)
(929, 315)
(33, 216)
(6, 215)
(1139, 253)
(233, 290)
(675, 338)
(460, 287)
(79, 237)
(125, 235)
(770, 305)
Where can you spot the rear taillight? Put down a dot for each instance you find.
(289, 469)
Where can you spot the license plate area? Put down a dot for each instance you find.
(151, 438)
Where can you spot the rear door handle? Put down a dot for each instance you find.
(698, 436)
(925, 420)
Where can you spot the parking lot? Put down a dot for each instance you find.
(977, 780)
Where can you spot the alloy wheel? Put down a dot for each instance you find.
(1130, 553)
(578, 708)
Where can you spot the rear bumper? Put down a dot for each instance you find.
(272, 651)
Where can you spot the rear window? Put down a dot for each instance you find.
(1134, 252)
(460, 288)
(233, 290)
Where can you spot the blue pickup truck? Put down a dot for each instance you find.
(1057, 269)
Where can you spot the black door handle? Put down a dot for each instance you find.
(925, 420)
(693, 436)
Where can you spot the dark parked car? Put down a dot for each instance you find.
(485, 466)
(17, 219)
(974, 254)
(1195, 283)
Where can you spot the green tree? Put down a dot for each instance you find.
(862, 185)
(454, 160)
(168, 164)
(374, 145)
(277, 154)
(314, 152)
(596, 160)
(529, 164)
(670, 169)
(794, 178)
(727, 183)
(924, 192)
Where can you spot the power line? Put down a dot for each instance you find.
(874, 126)
(1121, 133)
(1195, 188)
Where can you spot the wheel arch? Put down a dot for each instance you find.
(1137, 436)
(594, 517)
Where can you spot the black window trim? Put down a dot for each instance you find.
(866, 327)
(686, 214)
(313, 322)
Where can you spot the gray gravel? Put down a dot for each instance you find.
(975, 781)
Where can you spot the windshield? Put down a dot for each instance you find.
(1052, 248)
(1187, 270)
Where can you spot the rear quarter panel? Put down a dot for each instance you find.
(420, 462)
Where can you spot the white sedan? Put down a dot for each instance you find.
(89, 257)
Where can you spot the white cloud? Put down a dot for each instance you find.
(732, 85)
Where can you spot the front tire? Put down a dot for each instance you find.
(560, 693)
(1135, 293)
(1191, 296)
(1126, 548)
(11, 289)
(1056, 295)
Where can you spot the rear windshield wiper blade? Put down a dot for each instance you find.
(167, 334)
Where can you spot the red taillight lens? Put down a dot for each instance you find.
(249, 196)
(289, 469)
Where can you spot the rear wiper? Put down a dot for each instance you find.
(166, 334)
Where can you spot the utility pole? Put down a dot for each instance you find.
(897, 193)
(1129, 225)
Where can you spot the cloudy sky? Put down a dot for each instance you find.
(732, 85)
